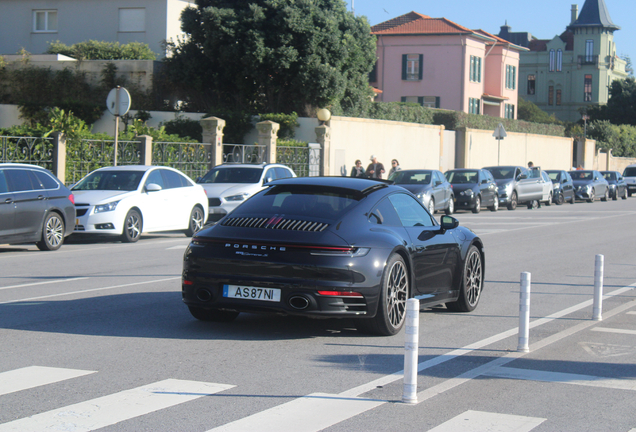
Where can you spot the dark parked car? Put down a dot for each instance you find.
(589, 184)
(516, 185)
(473, 188)
(429, 186)
(332, 247)
(563, 187)
(35, 207)
(617, 185)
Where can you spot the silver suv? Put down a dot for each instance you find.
(518, 185)
(229, 185)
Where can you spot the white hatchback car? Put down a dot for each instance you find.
(131, 199)
(229, 185)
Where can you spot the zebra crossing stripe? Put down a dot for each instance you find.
(35, 376)
(311, 413)
(115, 408)
(485, 421)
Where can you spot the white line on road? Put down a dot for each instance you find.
(90, 290)
(614, 330)
(470, 421)
(43, 283)
(558, 377)
(311, 413)
(35, 376)
(108, 410)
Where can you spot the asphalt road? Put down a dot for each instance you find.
(95, 336)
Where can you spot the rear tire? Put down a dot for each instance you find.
(477, 207)
(625, 194)
(431, 206)
(195, 223)
(394, 291)
(495, 205)
(52, 233)
(213, 315)
(513, 201)
(549, 201)
(472, 283)
(451, 206)
(132, 227)
(560, 199)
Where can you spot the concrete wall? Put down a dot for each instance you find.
(615, 163)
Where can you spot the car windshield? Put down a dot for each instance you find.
(554, 175)
(233, 175)
(609, 176)
(461, 177)
(299, 202)
(629, 172)
(581, 175)
(501, 173)
(110, 180)
(411, 177)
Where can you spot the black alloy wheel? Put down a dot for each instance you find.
(472, 283)
(195, 222)
(132, 227)
(560, 199)
(513, 201)
(391, 313)
(52, 233)
(477, 207)
(212, 315)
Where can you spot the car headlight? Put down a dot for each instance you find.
(587, 188)
(239, 197)
(467, 192)
(106, 207)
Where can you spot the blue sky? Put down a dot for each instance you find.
(544, 19)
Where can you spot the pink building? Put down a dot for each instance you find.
(440, 64)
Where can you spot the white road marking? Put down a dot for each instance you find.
(559, 377)
(310, 413)
(43, 283)
(607, 350)
(631, 313)
(89, 290)
(108, 410)
(35, 376)
(614, 330)
(478, 421)
(177, 247)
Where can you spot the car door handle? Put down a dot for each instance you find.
(41, 197)
(8, 201)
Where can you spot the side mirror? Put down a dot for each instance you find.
(153, 187)
(437, 183)
(448, 222)
(267, 180)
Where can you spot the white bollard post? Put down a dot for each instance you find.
(411, 348)
(524, 313)
(598, 288)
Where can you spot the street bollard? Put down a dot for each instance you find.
(412, 333)
(598, 288)
(524, 313)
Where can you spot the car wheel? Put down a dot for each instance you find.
(431, 206)
(534, 204)
(624, 194)
(495, 205)
(629, 194)
(477, 207)
(573, 200)
(451, 206)
(592, 196)
(605, 195)
(513, 201)
(391, 313)
(196, 221)
(560, 199)
(472, 283)
(213, 315)
(549, 201)
(132, 227)
(52, 233)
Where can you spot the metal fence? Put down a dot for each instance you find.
(28, 150)
(243, 153)
(84, 156)
(192, 159)
(305, 161)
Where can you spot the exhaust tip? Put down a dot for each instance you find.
(204, 295)
(299, 302)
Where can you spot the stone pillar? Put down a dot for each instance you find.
(213, 134)
(145, 149)
(323, 136)
(59, 156)
(267, 136)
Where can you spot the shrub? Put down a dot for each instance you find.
(100, 50)
(184, 127)
(288, 123)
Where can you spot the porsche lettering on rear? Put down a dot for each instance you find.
(255, 247)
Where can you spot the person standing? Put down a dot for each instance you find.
(395, 166)
(358, 170)
(375, 168)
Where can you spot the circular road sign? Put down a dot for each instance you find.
(118, 107)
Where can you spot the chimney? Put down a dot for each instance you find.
(575, 13)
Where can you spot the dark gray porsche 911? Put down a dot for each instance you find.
(332, 247)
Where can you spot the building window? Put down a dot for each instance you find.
(552, 60)
(551, 95)
(412, 65)
(45, 21)
(475, 69)
(425, 101)
(531, 84)
(587, 89)
(132, 20)
(511, 77)
(558, 97)
(589, 51)
(473, 105)
(509, 111)
(559, 61)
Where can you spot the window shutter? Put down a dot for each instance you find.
(421, 65)
(404, 66)
(436, 101)
(403, 99)
(420, 100)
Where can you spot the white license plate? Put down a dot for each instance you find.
(251, 293)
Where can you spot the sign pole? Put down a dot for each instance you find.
(116, 124)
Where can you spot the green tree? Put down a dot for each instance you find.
(278, 56)
(621, 106)
(528, 111)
